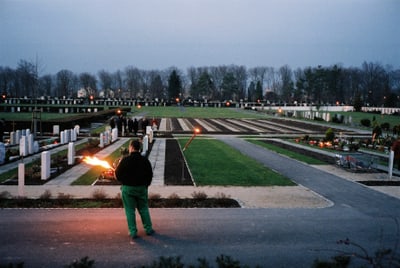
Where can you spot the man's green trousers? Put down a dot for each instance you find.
(136, 197)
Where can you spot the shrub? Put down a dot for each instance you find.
(365, 122)
(99, 194)
(46, 195)
(64, 196)
(385, 126)
(82, 263)
(5, 195)
(221, 196)
(199, 195)
(173, 196)
(173, 200)
(329, 134)
(154, 196)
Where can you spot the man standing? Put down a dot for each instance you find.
(135, 173)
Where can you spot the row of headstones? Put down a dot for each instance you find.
(108, 136)
(66, 135)
(111, 135)
(45, 167)
(27, 146)
(15, 136)
(46, 159)
(315, 114)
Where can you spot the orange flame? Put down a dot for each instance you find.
(94, 161)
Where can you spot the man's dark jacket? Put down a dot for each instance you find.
(134, 170)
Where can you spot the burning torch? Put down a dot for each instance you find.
(195, 132)
(94, 161)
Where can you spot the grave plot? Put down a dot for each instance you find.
(245, 126)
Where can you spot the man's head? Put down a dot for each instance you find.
(134, 146)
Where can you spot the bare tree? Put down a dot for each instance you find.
(374, 79)
(88, 82)
(26, 77)
(64, 83)
(46, 85)
(118, 83)
(7, 80)
(287, 85)
(133, 81)
(106, 82)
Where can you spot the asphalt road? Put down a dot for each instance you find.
(265, 237)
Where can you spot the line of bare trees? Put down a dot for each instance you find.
(371, 84)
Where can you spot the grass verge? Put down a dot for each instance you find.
(214, 163)
(300, 157)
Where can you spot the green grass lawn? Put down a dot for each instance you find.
(214, 163)
(300, 157)
(195, 112)
(28, 116)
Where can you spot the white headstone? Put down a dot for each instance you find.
(17, 136)
(13, 140)
(101, 145)
(30, 143)
(77, 129)
(145, 144)
(21, 179)
(23, 146)
(149, 132)
(114, 134)
(67, 135)
(36, 147)
(45, 169)
(71, 153)
(56, 130)
(73, 134)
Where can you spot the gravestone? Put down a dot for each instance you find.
(114, 134)
(71, 154)
(73, 135)
(13, 138)
(56, 130)
(77, 129)
(145, 144)
(21, 179)
(23, 146)
(45, 168)
(101, 145)
(30, 143)
(36, 147)
(62, 137)
(17, 136)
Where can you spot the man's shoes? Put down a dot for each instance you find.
(151, 232)
(133, 238)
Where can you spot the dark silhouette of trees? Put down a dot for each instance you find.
(371, 84)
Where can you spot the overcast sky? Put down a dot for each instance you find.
(91, 35)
